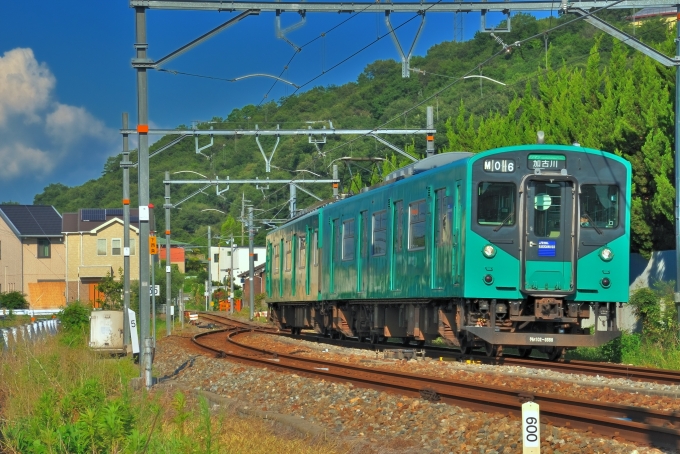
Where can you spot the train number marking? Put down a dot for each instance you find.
(499, 165)
(541, 339)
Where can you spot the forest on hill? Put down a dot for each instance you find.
(570, 80)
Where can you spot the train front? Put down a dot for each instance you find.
(547, 247)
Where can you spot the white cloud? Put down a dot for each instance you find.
(19, 160)
(40, 136)
(68, 124)
(25, 85)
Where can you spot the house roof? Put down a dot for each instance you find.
(32, 220)
(91, 219)
(258, 269)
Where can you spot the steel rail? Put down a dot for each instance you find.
(634, 424)
(609, 370)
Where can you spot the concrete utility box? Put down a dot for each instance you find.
(106, 331)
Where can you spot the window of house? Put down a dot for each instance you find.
(288, 255)
(133, 246)
(348, 240)
(43, 248)
(417, 212)
(115, 246)
(101, 246)
(302, 243)
(380, 233)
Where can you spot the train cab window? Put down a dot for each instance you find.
(496, 203)
(288, 255)
(398, 226)
(548, 209)
(416, 213)
(302, 251)
(348, 245)
(315, 247)
(276, 258)
(599, 206)
(380, 233)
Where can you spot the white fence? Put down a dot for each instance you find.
(33, 332)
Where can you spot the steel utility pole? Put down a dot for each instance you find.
(168, 261)
(251, 256)
(125, 164)
(209, 286)
(231, 275)
(139, 63)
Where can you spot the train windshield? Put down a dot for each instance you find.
(496, 203)
(599, 206)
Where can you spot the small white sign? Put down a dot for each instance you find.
(206, 293)
(168, 268)
(155, 290)
(134, 337)
(531, 428)
(144, 213)
(126, 252)
(172, 310)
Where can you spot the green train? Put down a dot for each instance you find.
(515, 246)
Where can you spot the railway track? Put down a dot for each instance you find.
(634, 424)
(608, 370)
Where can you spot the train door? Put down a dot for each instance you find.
(335, 251)
(549, 236)
(396, 244)
(362, 255)
(441, 246)
(456, 208)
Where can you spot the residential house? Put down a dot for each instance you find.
(220, 265)
(259, 282)
(32, 254)
(94, 249)
(177, 255)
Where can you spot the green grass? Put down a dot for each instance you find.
(631, 349)
(59, 397)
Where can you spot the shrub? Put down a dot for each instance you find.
(13, 300)
(75, 317)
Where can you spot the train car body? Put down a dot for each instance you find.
(515, 246)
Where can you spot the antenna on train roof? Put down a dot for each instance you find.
(540, 136)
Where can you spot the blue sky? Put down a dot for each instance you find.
(66, 78)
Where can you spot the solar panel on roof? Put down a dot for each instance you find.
(114, 211)
(92, 214)
(134, 218)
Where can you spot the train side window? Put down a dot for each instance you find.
(416, 213)
(364, 233)
(348, 240)
(380, 233)
(276, 258)
(398, 226)
(599, 206)
(496, 203)
(315, 247)
(302, 251)
(288, 255)
(337, 238)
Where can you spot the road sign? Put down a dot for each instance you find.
(153, 246)
(531, 428)
(154, 290)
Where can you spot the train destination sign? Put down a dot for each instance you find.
(547, 161)
(499, 165)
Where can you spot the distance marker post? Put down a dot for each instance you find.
(531, 428)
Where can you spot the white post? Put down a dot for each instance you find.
(531, 428)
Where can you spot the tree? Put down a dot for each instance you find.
(13, 300)
(112, 291)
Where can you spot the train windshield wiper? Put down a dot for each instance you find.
(592, 223)
(507, 218)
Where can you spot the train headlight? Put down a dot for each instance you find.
(489, 251)
(606, 254)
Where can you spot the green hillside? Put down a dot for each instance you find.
(587, 89)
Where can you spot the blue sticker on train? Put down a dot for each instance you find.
(546, 248)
